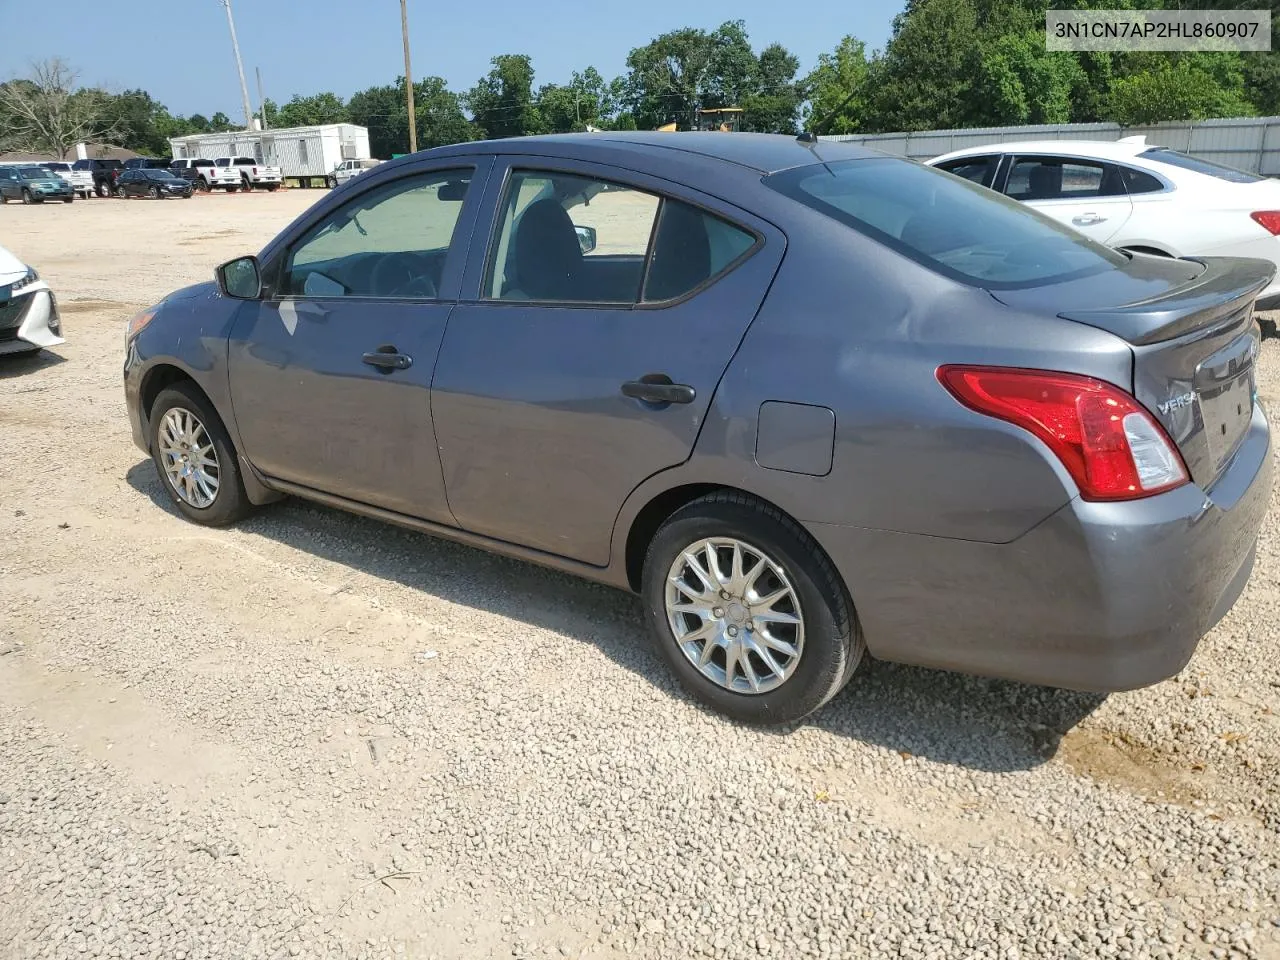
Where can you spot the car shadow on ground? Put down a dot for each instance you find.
(981, 724)
(22, 364)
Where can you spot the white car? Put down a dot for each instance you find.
(1134, 196)
(81, 180)
(28, 309)
(346, 169)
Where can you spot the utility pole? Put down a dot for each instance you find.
(244, 87)
(408, 77)
(262, 101)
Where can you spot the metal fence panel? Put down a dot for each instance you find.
(1248, 143)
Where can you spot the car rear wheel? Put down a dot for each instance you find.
(102, 190)
(195, 459)
(272, 187)
(748, 612)
(120, 194)
(202, 185)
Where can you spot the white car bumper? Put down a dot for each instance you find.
(30, 321)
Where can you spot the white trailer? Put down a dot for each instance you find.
(306, 156)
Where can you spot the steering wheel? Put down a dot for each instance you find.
(401, 275)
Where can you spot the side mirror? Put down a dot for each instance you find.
(240, 279)
(586, 237)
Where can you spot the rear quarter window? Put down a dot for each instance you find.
(1196, 165)
(946, 223)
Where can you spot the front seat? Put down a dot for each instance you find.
(548, 257)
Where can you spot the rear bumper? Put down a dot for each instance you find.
(1100, 596)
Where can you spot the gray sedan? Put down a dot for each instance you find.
(811, 402)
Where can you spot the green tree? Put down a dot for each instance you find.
(1195, 86)
(924, 80)
(668, 77)
(501, 102)
(1022, 82)
(312, 111)
(269, 114)
(383, 111)
(773, 105)
(587, 99)
(837, 89)
(220, 123)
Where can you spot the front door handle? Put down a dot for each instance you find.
(658, 388)
(1087, 219)
(388, 358)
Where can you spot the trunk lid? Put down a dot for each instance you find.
(1190, 326)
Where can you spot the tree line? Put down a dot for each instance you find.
(947, 64)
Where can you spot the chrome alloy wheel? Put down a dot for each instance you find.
(189, 458)
(735, 615)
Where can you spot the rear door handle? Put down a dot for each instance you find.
(658, 388)
(388, 358)
(1087, 219)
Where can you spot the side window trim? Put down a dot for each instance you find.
(474, 292)
(277, 256)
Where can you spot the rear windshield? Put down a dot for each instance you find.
(1207, 167)
(946, 223)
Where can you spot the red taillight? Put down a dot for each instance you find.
(1111, 446)
(1269, 220)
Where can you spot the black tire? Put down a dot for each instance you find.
(230, 503)
(272, 187)
(70, 199)
(332, 182)
(102, 190)
(246, 185)
(231, 189)
(202, 185)
(120, 194)
(833, 645)
(153, 193)
(26, 196)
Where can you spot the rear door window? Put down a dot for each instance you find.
(951, 226)
(1059, 178)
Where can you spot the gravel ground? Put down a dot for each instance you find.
(314, 735)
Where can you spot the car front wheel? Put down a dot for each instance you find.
(195, 459)
(748, 612)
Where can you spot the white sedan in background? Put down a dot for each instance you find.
(1135, 196)
(28, 309)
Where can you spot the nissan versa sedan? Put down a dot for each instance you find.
(811, 402)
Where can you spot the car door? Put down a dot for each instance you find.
(9, 186)
(593, 330)
(330, 374)
(1088, 195)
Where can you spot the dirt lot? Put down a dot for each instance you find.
(314, 735)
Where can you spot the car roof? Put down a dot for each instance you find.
(765, 153)
(1102, 149)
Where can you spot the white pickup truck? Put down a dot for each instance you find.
(206, 175)
(252, 173)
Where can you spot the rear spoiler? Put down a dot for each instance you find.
(1225, 287)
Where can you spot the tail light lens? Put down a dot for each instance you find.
(1112, 447)
(1269, 220)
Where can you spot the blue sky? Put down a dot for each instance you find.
(305, 46)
